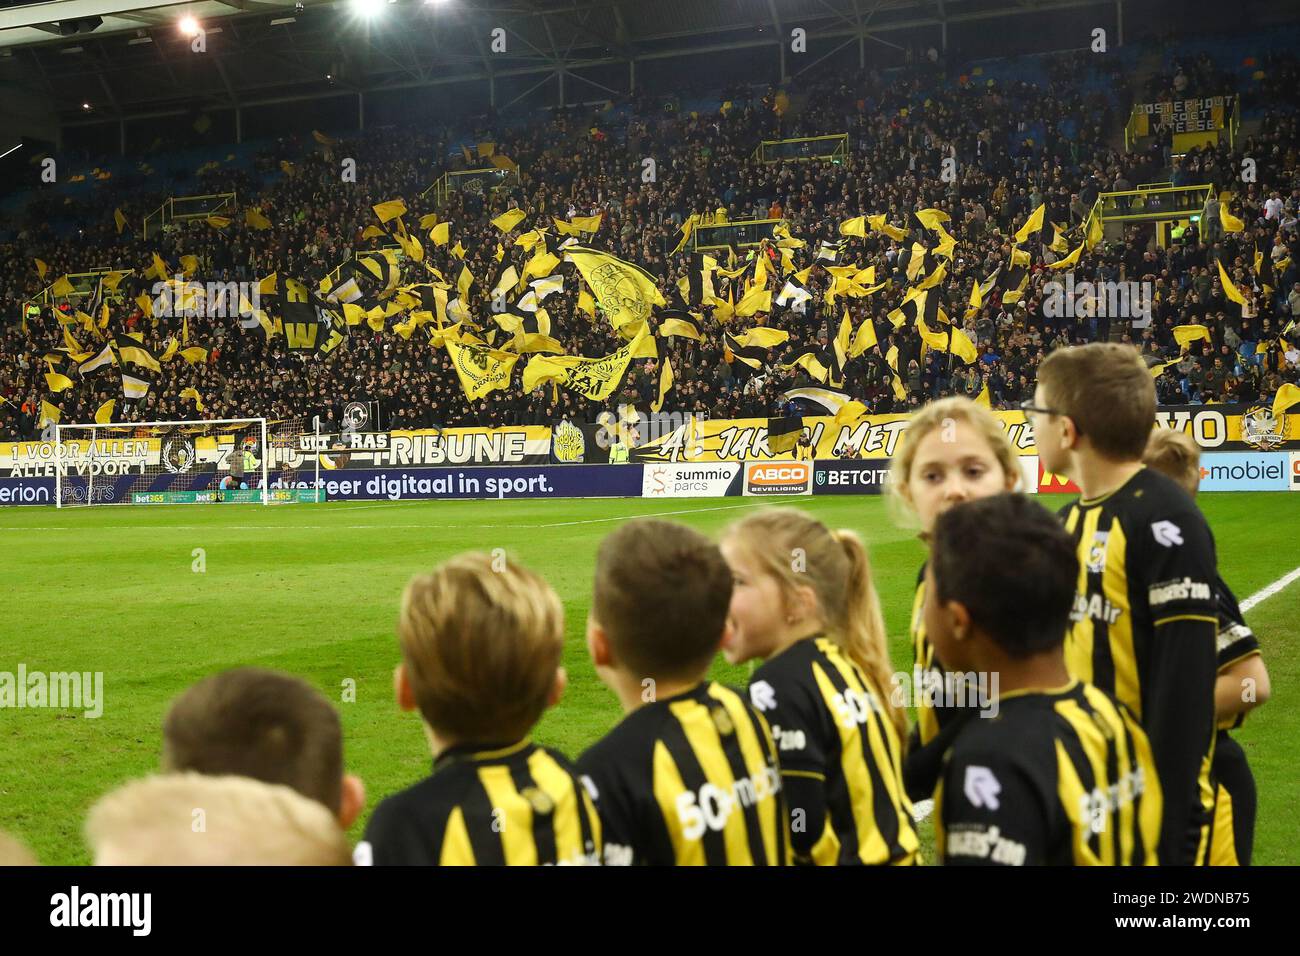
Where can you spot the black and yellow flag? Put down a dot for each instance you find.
(783, 434)
(665, 384)
(132, 352)
(595, 379)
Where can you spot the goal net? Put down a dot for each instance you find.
(246, 460)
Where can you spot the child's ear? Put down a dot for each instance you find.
(598, 644)
(352, 800)
(558, 688)
(402, 689)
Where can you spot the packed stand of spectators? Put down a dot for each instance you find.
(902, 130)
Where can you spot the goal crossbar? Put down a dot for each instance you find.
(94, 457)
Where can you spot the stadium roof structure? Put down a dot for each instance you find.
(132, 61)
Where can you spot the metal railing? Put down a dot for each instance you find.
(804, 149)
(1149, 205)
(485, 180)
(185, 208)
(746, 232)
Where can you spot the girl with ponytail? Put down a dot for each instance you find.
(804, 603)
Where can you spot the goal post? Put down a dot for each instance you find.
(233, 460)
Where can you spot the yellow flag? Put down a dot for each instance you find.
(1230, 222)
(762, 337)
(857, 226)
(1230, 290)
(169, 351)
(1068, 261)
(1033, 224)
(458, 250)
(390, 210)
(119, 220)
(104, 414)
(1286, 396)
(931, 218)
(754, 301)
(878, 223)
(1185, 334)
(587, 223)
(479, 368)
(41, 268)
(193, 395)
(321, 138)
(441, 233)
(849, 413)
(61, 286)
(194, 355)
(983, 397)
(57, 382)
(218, 222)
(255, 220)
(49, 414)
(1094, 232)
(595, 379)
(864, 339)
(189, 265)
(665, 383)
(509, 219)
(586, 303)
(626, 292)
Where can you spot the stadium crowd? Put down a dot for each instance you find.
(901, 131)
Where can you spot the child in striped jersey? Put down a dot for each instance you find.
(1059, 772)
(689, 776)
(805, 604)
(953, 451)
(481, 641)
(1242, 683)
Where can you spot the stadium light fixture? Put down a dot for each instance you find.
(368, 8)
(86, 107)
(189, 26)
(280, 21)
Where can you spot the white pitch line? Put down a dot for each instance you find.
(1263, 594)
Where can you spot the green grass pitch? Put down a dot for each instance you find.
(313, 589)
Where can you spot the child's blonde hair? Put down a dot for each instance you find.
(798, 550)
(938, 414)
(481, 641)
(153, 822)
(1175, 454)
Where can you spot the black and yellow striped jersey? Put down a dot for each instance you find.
(1232, 833)
(690, 780)
(516, 805)
(1060, 777)
(1144, 626)
(841, 757)
(1236, 640)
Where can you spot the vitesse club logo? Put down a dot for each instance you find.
(178, 455)
(568, 442)
(1261, 429)
(1097, 553)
